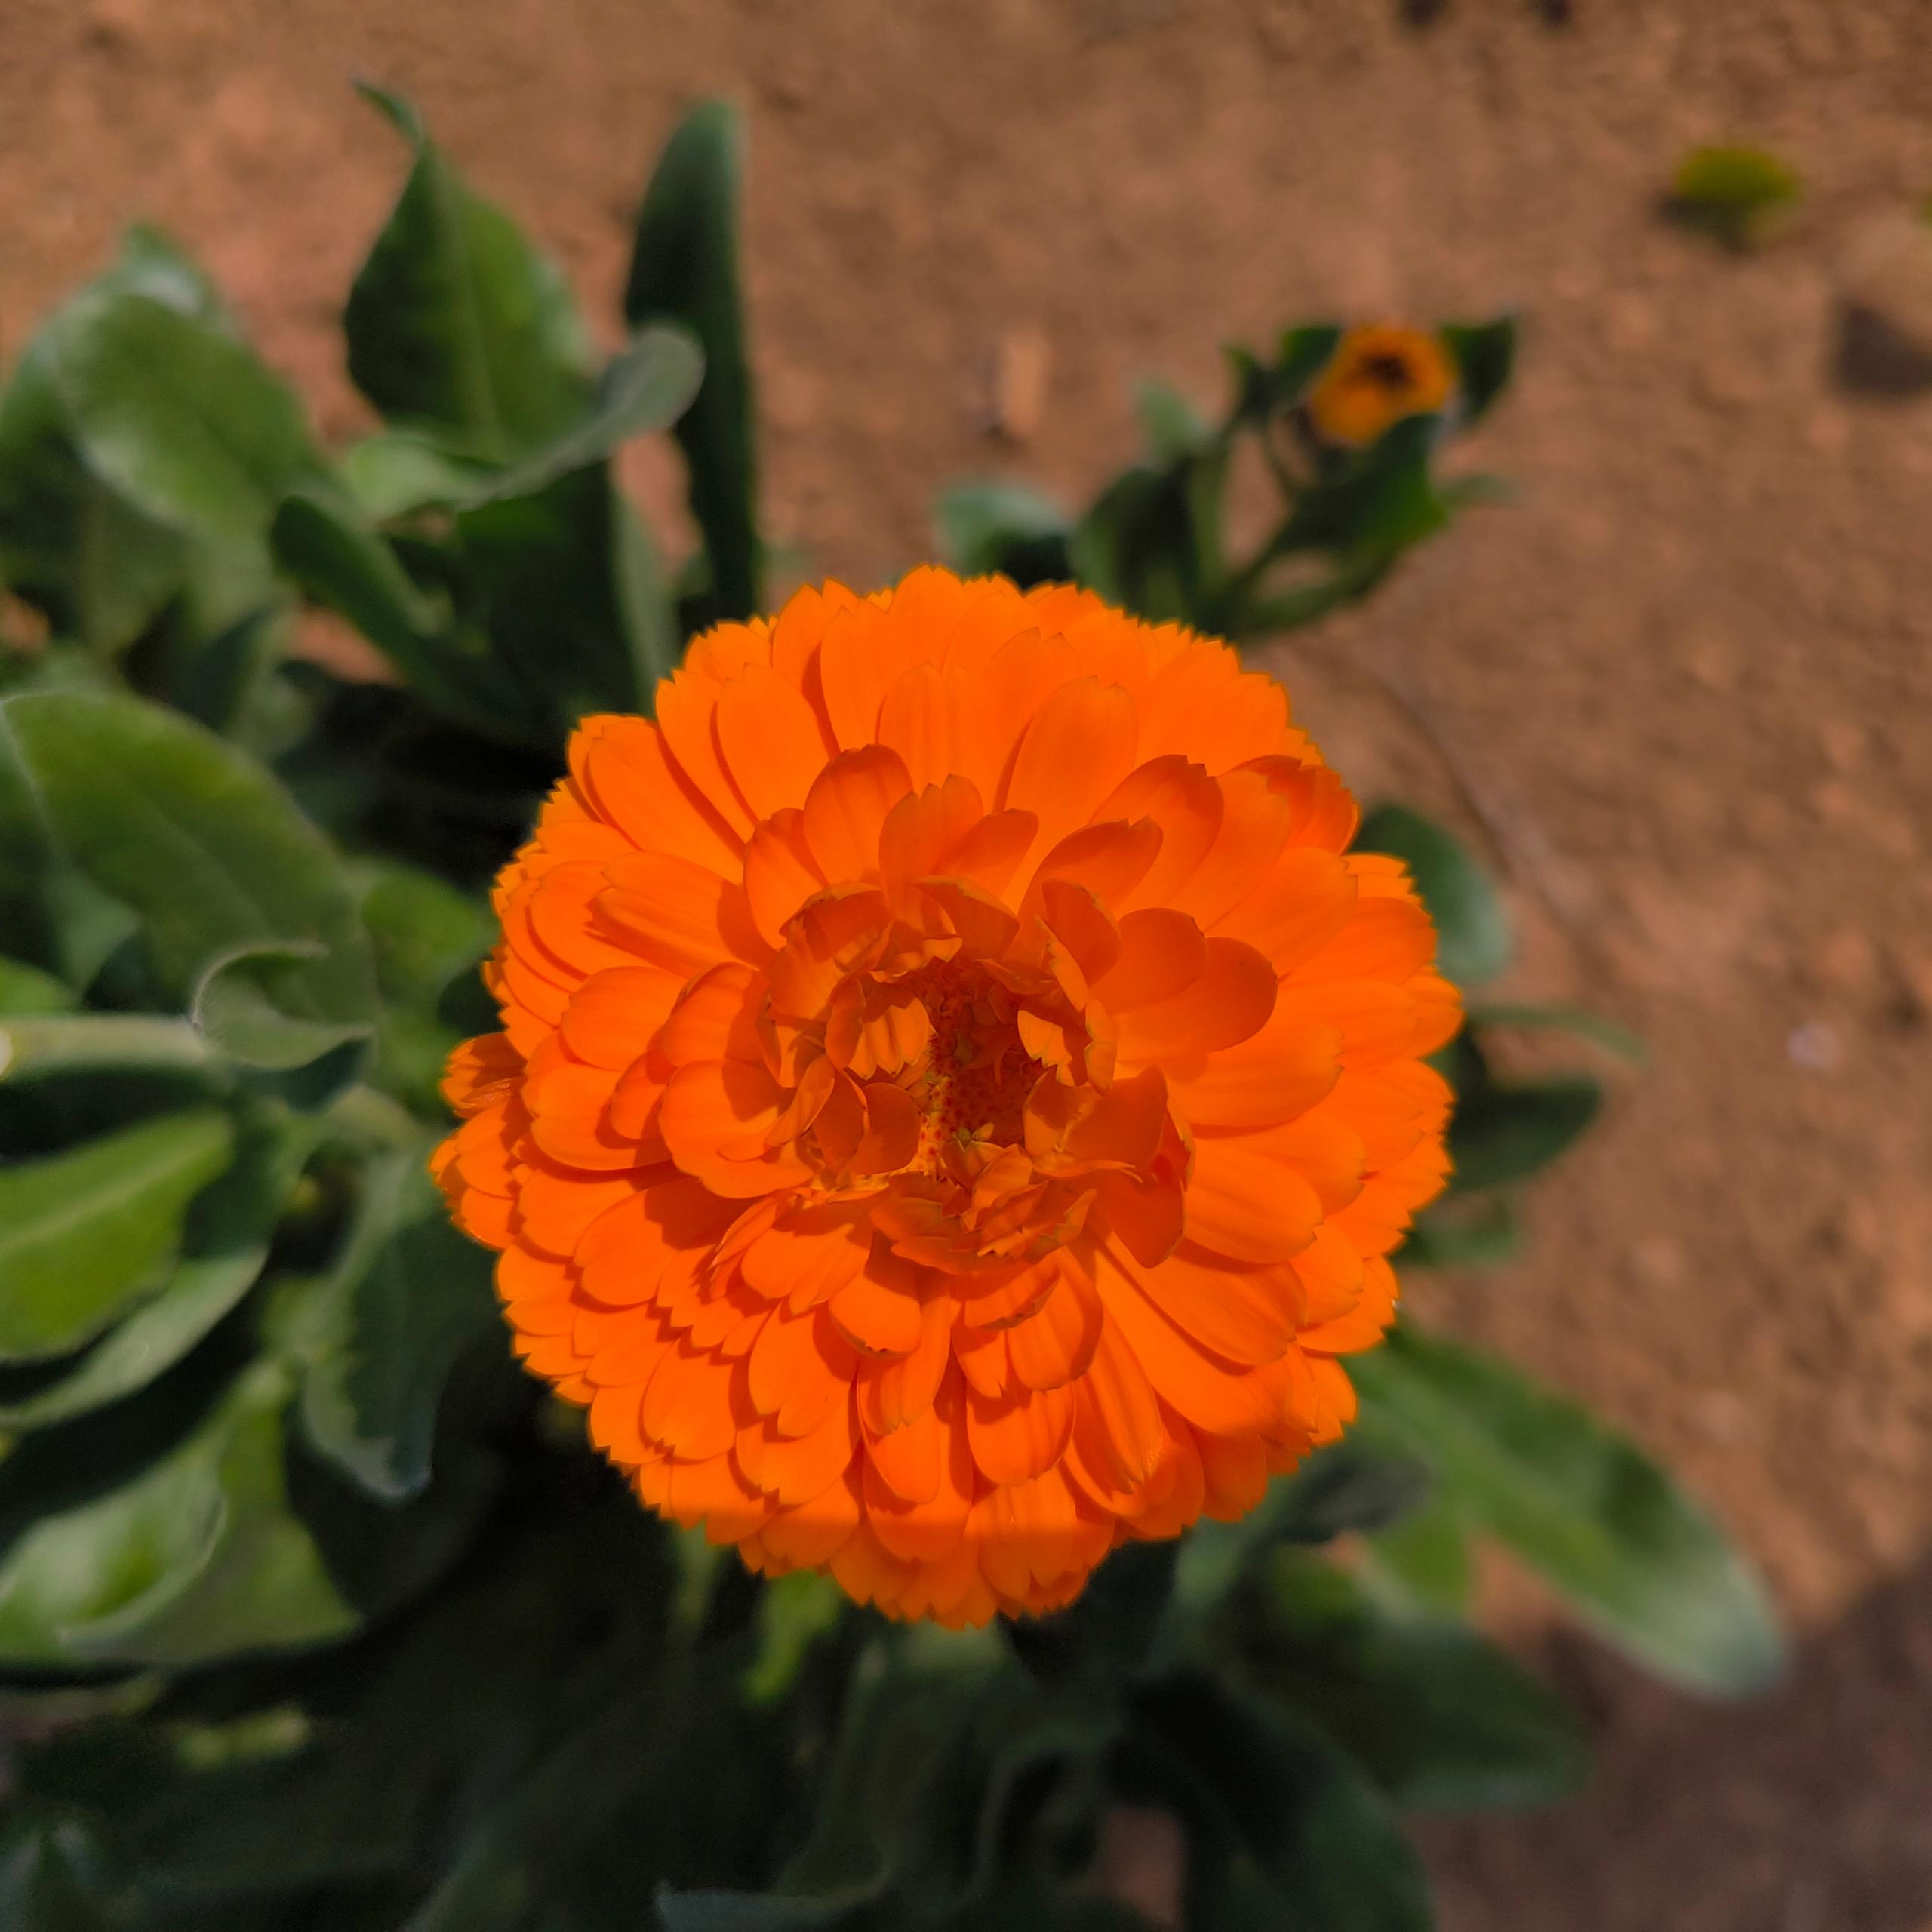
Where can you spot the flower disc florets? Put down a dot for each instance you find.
(957, 1092)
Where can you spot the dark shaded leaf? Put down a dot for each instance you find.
(685, 270)
(1478, 1234)
(197, 1558)
(1473, 933)
(1323, 1841)
(406, 1297)
(1640, 1562)
(1506, 1131)
(1485, 358)
(1441, 1718)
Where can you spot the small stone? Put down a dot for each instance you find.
(1814, 1047)
(1019, 382)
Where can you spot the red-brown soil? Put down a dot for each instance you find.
(1688, 678)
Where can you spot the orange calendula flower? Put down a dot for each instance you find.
(957, 1092)
(1379, 374)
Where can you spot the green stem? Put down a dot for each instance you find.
(33, 1049)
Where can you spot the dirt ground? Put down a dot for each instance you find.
(1688, 678)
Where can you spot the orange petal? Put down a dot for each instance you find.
(1296, 909)
(613, 1016)
(800, 1367)
(1230, 1002)
(1185, 802)
(1080, 744)
(1243, 1202)
(847, 807)
(878, 1311)
(1056, 1345)
(1281, 1072)
(675, 911)
(1019, 1435)
(1245, 1314)
(769, 737)
(686, 706)
(1211, 1393)
(716, 1017)
(625, 768)
(780, 874)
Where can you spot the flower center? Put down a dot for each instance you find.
(972, 1082)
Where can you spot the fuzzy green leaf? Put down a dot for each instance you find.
(1640, 1562)
(196, 1559)
(455, 324)
(86, 1233)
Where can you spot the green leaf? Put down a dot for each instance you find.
(1643, 1564)
(224, 1246)
(1737, 194)
(198, 1558)
(242, 1006)
(83, 1234)
(398, 471)
(645, 387)
(330, 554)
(425, 932)
(455, 324)
(1473, 933)
(1008, 527)
(685, 270)
(794, 1612)
(1323, 1841)
(196, 840)
(1424, 1562)
(1504, 1131)
(540, 576)
(26, 989)
(1440, 1717)
(1174, 429)
(1578, 1020)
(1485, 358)
(406, 1296)
(179, 416)
(646, 607)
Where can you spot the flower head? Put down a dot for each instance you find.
(957, 1093)
(1379, 373)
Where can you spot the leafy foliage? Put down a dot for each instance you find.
(320, 1616)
